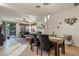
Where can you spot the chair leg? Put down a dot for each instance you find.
(37, 50)
(41, 52)
(32, 47)
(48, 53)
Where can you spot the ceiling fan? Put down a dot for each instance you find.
(24, 20)
(76, 4)
(45, 4)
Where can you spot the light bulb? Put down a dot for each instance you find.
(29, 27)
(0, 23)
(45, 19)
(48, 16)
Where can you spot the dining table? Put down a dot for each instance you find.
(59, 41)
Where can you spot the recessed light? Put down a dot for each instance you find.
(37, 6)
(46, 3)
(76, 4)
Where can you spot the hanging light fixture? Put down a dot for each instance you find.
(45, 19)
(0, 23)
(48, 16)
(46, 3)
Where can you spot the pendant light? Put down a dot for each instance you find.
(48, 16)
(45, 19)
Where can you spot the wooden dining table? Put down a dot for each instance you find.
(58, 41)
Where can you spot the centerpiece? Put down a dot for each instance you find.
(68, 39)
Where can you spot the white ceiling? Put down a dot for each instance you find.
(29, 10)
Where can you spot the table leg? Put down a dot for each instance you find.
(56, 50)
(63, 48)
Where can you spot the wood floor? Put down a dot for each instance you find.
(20, 47)
(70, 51)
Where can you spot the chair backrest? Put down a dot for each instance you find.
(0, 28)
(44, 42)
(2, 38)
(34, 37)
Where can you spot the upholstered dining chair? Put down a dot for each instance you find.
(45, 44)
(62, 46)
(2, 38)
(36, 42)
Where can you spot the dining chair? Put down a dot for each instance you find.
(62, 46)
(36, 42)
(45, 44)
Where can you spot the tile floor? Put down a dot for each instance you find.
(13, 46)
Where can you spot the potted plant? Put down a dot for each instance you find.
(68, 39)
(54, 34)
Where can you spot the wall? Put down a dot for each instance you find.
(65, 28)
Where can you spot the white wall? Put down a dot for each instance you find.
(65, 28)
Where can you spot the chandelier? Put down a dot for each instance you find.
(71, 21)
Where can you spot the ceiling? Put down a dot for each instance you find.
(29, 11)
